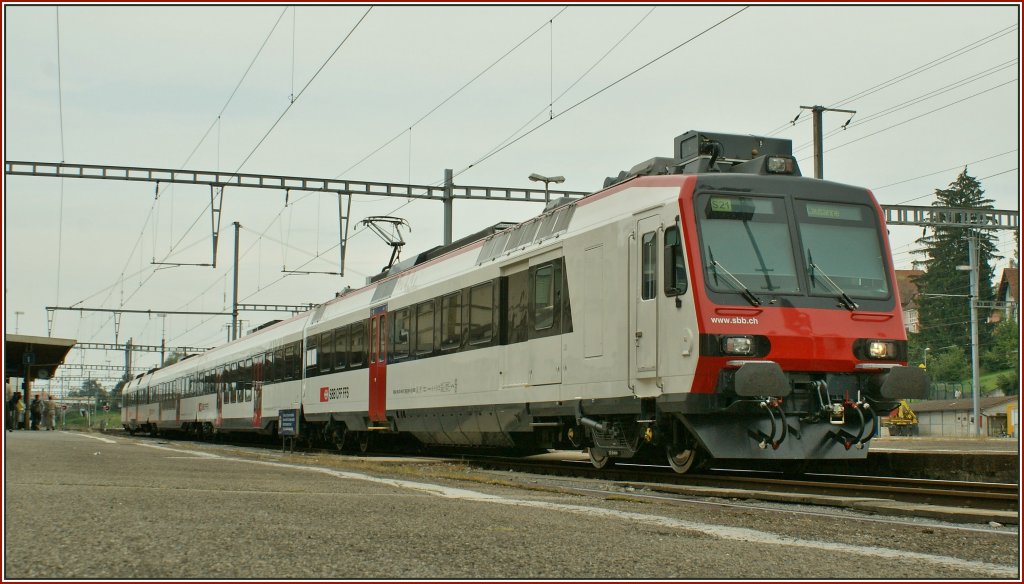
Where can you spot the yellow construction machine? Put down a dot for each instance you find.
(903, 422)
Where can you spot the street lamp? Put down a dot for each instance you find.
(546, 180)
(926, 349)
(17, 313)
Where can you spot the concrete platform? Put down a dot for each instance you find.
(983, 460)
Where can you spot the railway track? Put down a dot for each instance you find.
(1002, 499)
(811, 488)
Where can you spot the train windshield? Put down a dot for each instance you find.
(747, 245)
(750, 247)
(841, 249)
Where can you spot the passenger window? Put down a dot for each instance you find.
(401, 337)
(518, 307)
(312, 355)
(279, 365)
(325, 351)
(481, 313)
(341, 348)
(248, 380)
(544, 298)
(358, 356)
(451, 321)
(648, 261)
(675, 267)
(425, 327)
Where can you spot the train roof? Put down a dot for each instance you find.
(700, 152)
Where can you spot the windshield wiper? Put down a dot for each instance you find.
(744, 291)
(845, 300)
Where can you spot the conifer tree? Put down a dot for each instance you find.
(944, 309)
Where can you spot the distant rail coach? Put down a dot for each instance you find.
(714, 304)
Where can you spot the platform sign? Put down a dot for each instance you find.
(288, 422)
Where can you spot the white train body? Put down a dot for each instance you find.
(596, 324)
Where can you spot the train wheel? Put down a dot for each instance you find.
(336, 436)
(364, 442)
(599, 458)
(681, 460)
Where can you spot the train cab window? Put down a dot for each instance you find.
(746, 245)
(843, 253)
(325, 351)
(451, 320)
(648, 266)
(544, 297)
(481, 313)
(400, 335)
(675, 268)
(358, 355)
(425, 327)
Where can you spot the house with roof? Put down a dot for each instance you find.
(907, 288)
(1008, 295)
(952, 418)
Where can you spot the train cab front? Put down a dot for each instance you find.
(802, 345)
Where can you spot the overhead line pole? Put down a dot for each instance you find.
(817, 111)
(234, 293)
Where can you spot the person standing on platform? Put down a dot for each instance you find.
(50, 413)
(14, 408)
(36, 411)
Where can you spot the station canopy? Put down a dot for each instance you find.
(38, 356)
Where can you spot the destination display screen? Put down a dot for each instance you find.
(741, 208)
(837, 212)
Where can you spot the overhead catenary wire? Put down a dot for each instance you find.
(409, 127)
(607, 87)
(283, 113)
(60, 114)
(908, 74)
(919, 99)
(938, 109)
(565, 91)
(215, 123)
(958, 166)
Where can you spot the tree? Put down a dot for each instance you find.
(173, 358)
(943, 304)
(950, 365)
(1003, 350)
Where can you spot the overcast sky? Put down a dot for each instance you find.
(935, 88)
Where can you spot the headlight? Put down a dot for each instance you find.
(780, 165)
(881, 349)
(738, 345)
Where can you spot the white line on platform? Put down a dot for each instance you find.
(720, 531)
(100, 438)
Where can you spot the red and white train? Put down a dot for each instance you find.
(711, 305)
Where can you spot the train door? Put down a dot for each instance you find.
(179, 395)
(644, 298)
(257, 392)
(378, 357)
(219, 388)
